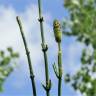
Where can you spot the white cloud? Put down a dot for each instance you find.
(75, 51)
(10, 34)
(73, 54)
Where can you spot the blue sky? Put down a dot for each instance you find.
(18, 83)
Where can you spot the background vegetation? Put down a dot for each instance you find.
(81, 24)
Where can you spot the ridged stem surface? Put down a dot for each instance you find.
(28, 57)
(59, 69)
(44, 49)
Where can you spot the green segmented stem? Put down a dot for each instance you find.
(28, 57)
(58, 37)
(59, 72)
(44, 49)
(41, 21)
(59, 69)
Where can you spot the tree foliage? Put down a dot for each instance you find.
(7, 62)
(82, 24)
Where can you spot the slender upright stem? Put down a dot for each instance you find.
(58, 39)
(44, 49)
(59, 87)
(41, 21)
(59, 69)
(28, 57)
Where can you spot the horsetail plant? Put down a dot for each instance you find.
(58, 37)
(47, 87)
(28, 57)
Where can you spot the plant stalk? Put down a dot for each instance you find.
(44, 49)
(59, 69)
(28, 57)
(58, 38)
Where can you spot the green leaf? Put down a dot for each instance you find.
(1, 53)
(6, 65)
(5, 61)
(67, 78)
